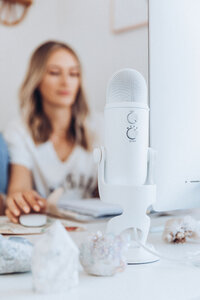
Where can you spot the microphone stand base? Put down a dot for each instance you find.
(137, 255)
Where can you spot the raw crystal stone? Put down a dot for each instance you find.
(103, 255)
(15, 255)
(55, 261)
(180, 230)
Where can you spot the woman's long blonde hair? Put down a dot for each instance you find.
(31, 100)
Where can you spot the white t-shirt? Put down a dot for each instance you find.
(78, 174)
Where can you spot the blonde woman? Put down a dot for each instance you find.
(50, 146)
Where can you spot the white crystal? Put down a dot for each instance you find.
(55, 261)
(15, 255)
(103, 255)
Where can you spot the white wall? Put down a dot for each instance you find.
(85, 25)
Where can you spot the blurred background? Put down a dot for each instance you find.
(106, 34)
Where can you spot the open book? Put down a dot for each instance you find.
(91, 207)
(81, 209)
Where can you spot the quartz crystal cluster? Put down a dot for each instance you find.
(55, 261)
(15, 255)
(179, 230)
(103, 255)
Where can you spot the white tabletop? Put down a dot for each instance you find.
(161, 280)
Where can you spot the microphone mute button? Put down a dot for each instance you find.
(132, 133)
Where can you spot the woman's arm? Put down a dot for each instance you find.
(20, 179)
(21, 196)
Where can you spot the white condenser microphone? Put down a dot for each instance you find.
(126, 129)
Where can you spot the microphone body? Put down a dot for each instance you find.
(125, 161)
(126, 129)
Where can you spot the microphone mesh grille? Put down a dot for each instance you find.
(127, 85)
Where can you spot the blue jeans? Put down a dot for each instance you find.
(4, 163)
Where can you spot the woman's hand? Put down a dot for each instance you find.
(19, 203)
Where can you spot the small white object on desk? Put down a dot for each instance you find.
(33, 220)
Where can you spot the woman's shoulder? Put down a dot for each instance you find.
(15, 129)
(17, 139)
(15, 125)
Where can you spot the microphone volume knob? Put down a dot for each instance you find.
(132, 117)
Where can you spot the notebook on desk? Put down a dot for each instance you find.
(80, 209)
(90, 207)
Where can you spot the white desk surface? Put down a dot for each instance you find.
(161, 280)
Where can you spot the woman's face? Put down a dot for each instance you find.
(61, 80)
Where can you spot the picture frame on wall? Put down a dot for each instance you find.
(128, 15)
